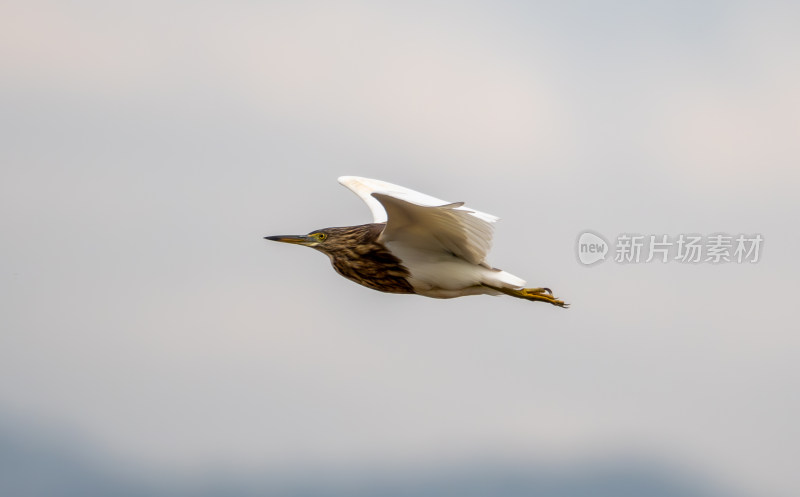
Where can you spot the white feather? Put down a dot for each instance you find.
(365, 187)
(444, 275)
(444, 245)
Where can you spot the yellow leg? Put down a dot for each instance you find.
(535, 294)
(542, 290)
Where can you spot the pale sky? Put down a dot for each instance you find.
(148, 148)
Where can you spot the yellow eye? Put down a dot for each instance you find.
(320, 236)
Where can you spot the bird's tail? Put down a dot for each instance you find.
(501, 278)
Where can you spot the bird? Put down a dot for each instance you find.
(417, 244)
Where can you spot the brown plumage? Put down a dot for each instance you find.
(357, 255)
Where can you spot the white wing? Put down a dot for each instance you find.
(423, 222)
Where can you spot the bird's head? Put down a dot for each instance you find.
(336, 240)
(318, 239)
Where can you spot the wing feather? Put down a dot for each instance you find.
(425, 223)
(365, 187)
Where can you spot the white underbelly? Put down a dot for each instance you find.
(443, 275)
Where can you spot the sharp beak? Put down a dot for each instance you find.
(297, 240)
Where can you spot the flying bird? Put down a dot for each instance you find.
(417, 244)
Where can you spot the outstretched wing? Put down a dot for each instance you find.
(424, 222)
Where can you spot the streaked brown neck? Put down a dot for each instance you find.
(357, 255)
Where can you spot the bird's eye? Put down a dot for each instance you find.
(321, 236)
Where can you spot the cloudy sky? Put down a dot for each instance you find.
(148, 147)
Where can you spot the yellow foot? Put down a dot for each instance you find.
(537, 291)
(542, 295)
(536, 294)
